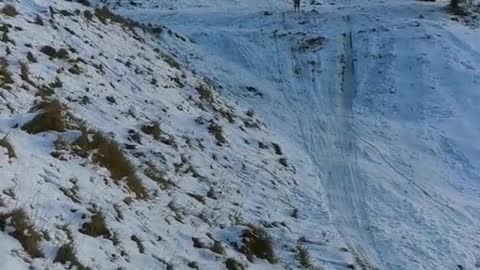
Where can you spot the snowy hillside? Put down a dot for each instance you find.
(382, 96)
(116, 155)
(228, 134)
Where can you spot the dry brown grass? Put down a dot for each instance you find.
(105, 15)
(217, 132)
(72, 192)
(9, 10)
(232, 264)
(5, 142)
(23, 231)
(257, 243)
(25, 73)
(66, 255)
(5, 74)
(31, 58)
(45, 92)
(218, 248)
(54, 53)
(6, 39)
(152, 129)
(205, 93)
(170, 61)
(303, 256)
(110, 155)
(57, 83)
(97, 226)
(38, 20)
(49, 118)
(141, 247)
(153, 173)
(278, 149)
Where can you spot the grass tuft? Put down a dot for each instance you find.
(5, 143)
(457, 8)
(217, 132)
(96, 227)
(25, 73)
(170, 61)
(54, 53)
(257, 243)
(152, 129)
(454, 4)
(110, 155)
(5, 74)
(74, 190)
(9, 10)
(66, 255)
(44, 91)
(141, 247)
(232, 264)
(205, 93)
(50, 118)
(303, 256)
(104, 15)
(218, 248)
(38, 20)
(20, 228)
(156, 175)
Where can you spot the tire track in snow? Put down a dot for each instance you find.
(350, 183)
(408, 179)
(305, 85)
(345, 187)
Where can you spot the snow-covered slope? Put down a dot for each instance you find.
(381, 96)
(239, 136)
(117, 155)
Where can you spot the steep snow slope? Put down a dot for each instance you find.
(380, 95)
(116, 155)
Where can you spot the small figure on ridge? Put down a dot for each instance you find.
(296, 5)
